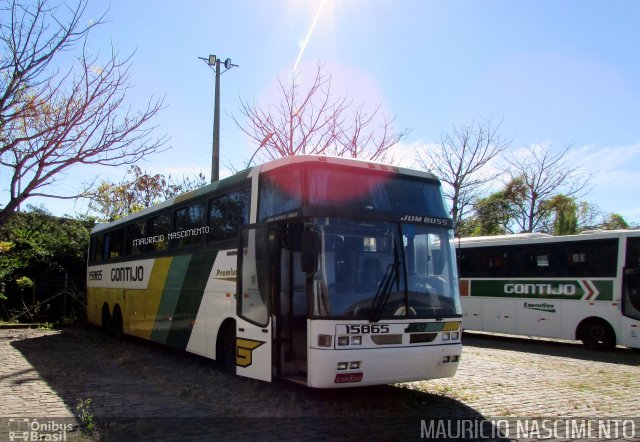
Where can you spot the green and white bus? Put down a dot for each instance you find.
(584, 287)
(325, 271)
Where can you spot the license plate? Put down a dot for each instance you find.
(343, 378)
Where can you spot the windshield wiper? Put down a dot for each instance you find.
(382, 294)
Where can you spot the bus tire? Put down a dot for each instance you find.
(227, 347)
(117, 327)
(105, 325)
(597, 334)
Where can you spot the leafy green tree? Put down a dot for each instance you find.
(491, 216)
(565, 216)
(614, 222)
(37, 248)
(138, 190)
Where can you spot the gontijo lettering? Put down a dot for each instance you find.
(540, 289)
(129, 273)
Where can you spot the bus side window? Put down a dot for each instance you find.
(98, 249)
(497, 263)
(158, 229)
(135, 234)
(187, 221)
(116, 243)
(227, 213)
(541, 261)
(280, 192)
(633, 253)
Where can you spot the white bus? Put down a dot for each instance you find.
(325, 271)
(584, 287)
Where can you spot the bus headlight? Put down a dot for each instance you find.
(356, 340)
(343, 340)
(446, 336)
(455, 336)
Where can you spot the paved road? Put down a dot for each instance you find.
(139, 390)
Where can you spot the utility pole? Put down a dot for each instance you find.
(214, 63)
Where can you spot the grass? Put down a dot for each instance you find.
(84, 411)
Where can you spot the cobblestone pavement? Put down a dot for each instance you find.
(137, 390)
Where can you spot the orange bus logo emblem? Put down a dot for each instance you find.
(244, 351)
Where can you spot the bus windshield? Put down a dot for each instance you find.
(374, 270)
(288, 189)
(359, 190)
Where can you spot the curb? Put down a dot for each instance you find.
(6, 326)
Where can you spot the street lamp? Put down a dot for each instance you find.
(215, 65)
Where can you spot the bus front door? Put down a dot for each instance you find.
(631, 295)
(254, 328)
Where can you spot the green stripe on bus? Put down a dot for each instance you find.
(191, 294)
(585, 289)
(170, 296)
(606, 290)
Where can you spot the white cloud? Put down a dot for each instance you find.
(615, 177)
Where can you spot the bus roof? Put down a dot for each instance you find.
(531, 238)
(241, 176)
(369, 165)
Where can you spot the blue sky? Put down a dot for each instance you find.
(554, 72)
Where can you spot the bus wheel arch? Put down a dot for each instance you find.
(117, 323)
(105, 323)
(226, 345)
(596, 333)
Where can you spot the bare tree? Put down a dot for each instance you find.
(312, 121)
(542, 174)
(459, 161)
(53, 119)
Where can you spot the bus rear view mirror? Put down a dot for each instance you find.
(309, 251)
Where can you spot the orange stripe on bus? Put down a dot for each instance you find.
(464, 287)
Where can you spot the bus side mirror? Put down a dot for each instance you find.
(631, 272)
(309, 251)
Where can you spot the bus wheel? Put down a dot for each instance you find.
(106, 319)
(598, 334)
(116, 323)
(227, 348)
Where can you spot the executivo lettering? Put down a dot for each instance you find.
(541, 306)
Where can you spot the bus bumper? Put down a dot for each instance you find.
(326, 368)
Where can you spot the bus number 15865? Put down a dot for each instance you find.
(363, 329)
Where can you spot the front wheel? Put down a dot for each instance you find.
(597, 334)
(228, 348)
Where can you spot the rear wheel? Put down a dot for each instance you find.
(116, 323)
(598, 334)
(106, 319)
